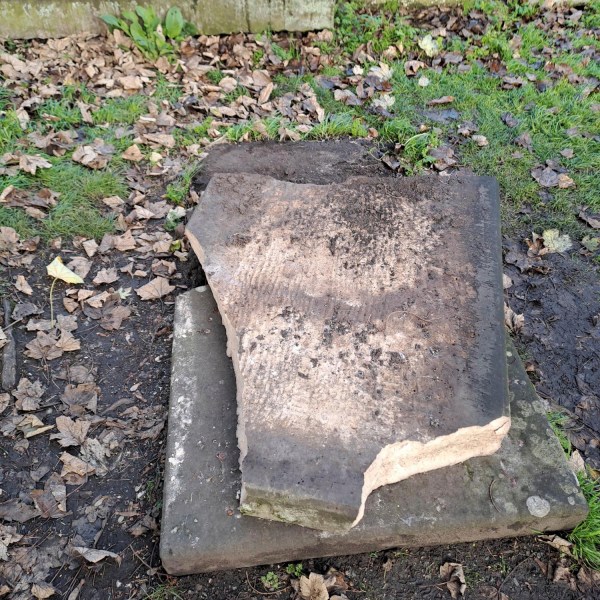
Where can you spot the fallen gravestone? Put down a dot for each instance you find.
(365, 326)
(524, 488)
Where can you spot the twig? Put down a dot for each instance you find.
(9, 354)
(511, 572)
(492, 497)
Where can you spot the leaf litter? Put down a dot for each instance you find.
(140, 248)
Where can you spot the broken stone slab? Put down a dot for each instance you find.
(524, 488)
(365, 326)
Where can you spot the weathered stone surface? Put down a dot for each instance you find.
(365, 326)
(57, 18)
(202, 529)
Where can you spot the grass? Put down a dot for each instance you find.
(178, 191)
(586, 536)
(165, 591)
(547, 114)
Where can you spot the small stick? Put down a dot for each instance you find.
(9, 353)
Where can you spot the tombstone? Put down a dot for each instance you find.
(364, 322)
(366, 397)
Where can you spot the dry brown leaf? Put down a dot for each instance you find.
(8, 536)
(313, 587)
(31, 163)
(106, 276)
(90, 247)
(67, 342)
(31, 426)
(512, 320)
(94, 156)
(43, 347)
(442, 100)
(42, 590)
(133, 153)
(124, 242)
(160, 139)
(75, 471)
(4, 400)
(52, 500)
(28, 395)
(453, 575)
(155, 289)
(114, 202)
(70, 433)
(22, 285)
(93, 556)
(411, 67)
(81, 397)
(131, 82)
(80, 265)
(17, 510)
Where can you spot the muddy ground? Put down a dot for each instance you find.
(120, 511)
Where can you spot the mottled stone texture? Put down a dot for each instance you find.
(364, 322)
(58, 18)
(202, 529)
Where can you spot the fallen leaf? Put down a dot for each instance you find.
(576, 462)
(52, 500)
(442, 100)
(80, 266)
(412, 66)
(90, 247)
(42, 590)
(555, 242)
(453, 575)
(17, 510)
(106, 276)
(81, 397)
(58, 270)
(31, 163)
(22, 285)
(133, 153)
(480, 140)
(547, 177)
(592, 221)
(8, 536)
(93, 556)
(31, 426)
(75, 471)
(429, 46)
(564, 181)
(512, 320)
(70, 433)
(68, 343)
(28, 394)
(43, 347)
(313, 587)
(591, 244)
(157, 288)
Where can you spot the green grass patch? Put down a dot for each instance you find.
(177, 191)
(81, 190)
(586, 536)
(121, 111)
(16, 218)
